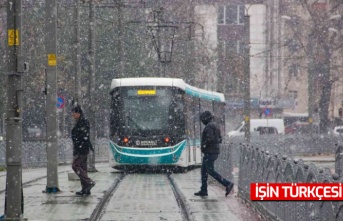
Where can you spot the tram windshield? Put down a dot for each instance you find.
(146, 109)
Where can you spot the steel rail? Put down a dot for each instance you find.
(181, 200)
(98, 211)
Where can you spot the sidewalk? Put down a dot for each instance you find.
(216, 206)
(65, 205)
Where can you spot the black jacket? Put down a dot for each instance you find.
(80, 137)
(211, 138)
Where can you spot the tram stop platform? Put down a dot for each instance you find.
(139, 196)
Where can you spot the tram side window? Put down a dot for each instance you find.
(179, 107)
(197, 123)
(189, 117)
(114, 114)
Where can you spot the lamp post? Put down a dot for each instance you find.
(162, 35)
(247, 78)
(247, 98)
(14, 200)
(163, 40)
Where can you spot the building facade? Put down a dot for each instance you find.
(224, 31)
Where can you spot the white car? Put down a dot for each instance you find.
(263, 126)
(338, 130)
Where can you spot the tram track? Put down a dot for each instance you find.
(101, 206)
(181, 200)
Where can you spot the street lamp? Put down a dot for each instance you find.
(286, 17)
(163, 40)
(338, 16)
(162, 34)
(247, 99)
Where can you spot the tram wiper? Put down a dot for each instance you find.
(139, 127)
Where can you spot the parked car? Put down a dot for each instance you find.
(262, 126)
(267, 130)
(338, 131)
(301, 128)
(292, 128)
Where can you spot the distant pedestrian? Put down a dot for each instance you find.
(210, 140)
(82, 145)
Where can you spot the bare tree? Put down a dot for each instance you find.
(315, 27)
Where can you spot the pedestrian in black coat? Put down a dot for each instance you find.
(81, 147)
(210, 140)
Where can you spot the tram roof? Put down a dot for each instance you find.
(169, 82)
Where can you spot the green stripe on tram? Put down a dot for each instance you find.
(166, 155)
(202, 95)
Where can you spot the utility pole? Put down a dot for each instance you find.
(247, 79)
(77, 94)
(158, 15)
(310, 84)
(51, 98)
(120, 39)
(91, 86)
(14, 200)
(3, 125)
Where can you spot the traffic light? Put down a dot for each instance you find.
(340, 112)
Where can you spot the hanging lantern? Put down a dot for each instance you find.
(163, 39)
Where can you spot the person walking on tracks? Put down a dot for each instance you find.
(81, 147)
(210, 140)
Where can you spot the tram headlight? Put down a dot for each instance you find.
(125, 140)
(166, 140)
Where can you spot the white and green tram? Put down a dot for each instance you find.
(155, 122)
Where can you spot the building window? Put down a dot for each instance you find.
(293, 70)
(231, 14)
(293, 94)
(221, 14)
(229, 48)
(240, 47)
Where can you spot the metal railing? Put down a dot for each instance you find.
(257, 165)
(265, 161)
(295, 144)
(34, 152)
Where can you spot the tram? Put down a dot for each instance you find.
(154, 122)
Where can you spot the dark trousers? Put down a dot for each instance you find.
(207, 167)
(80, 168)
